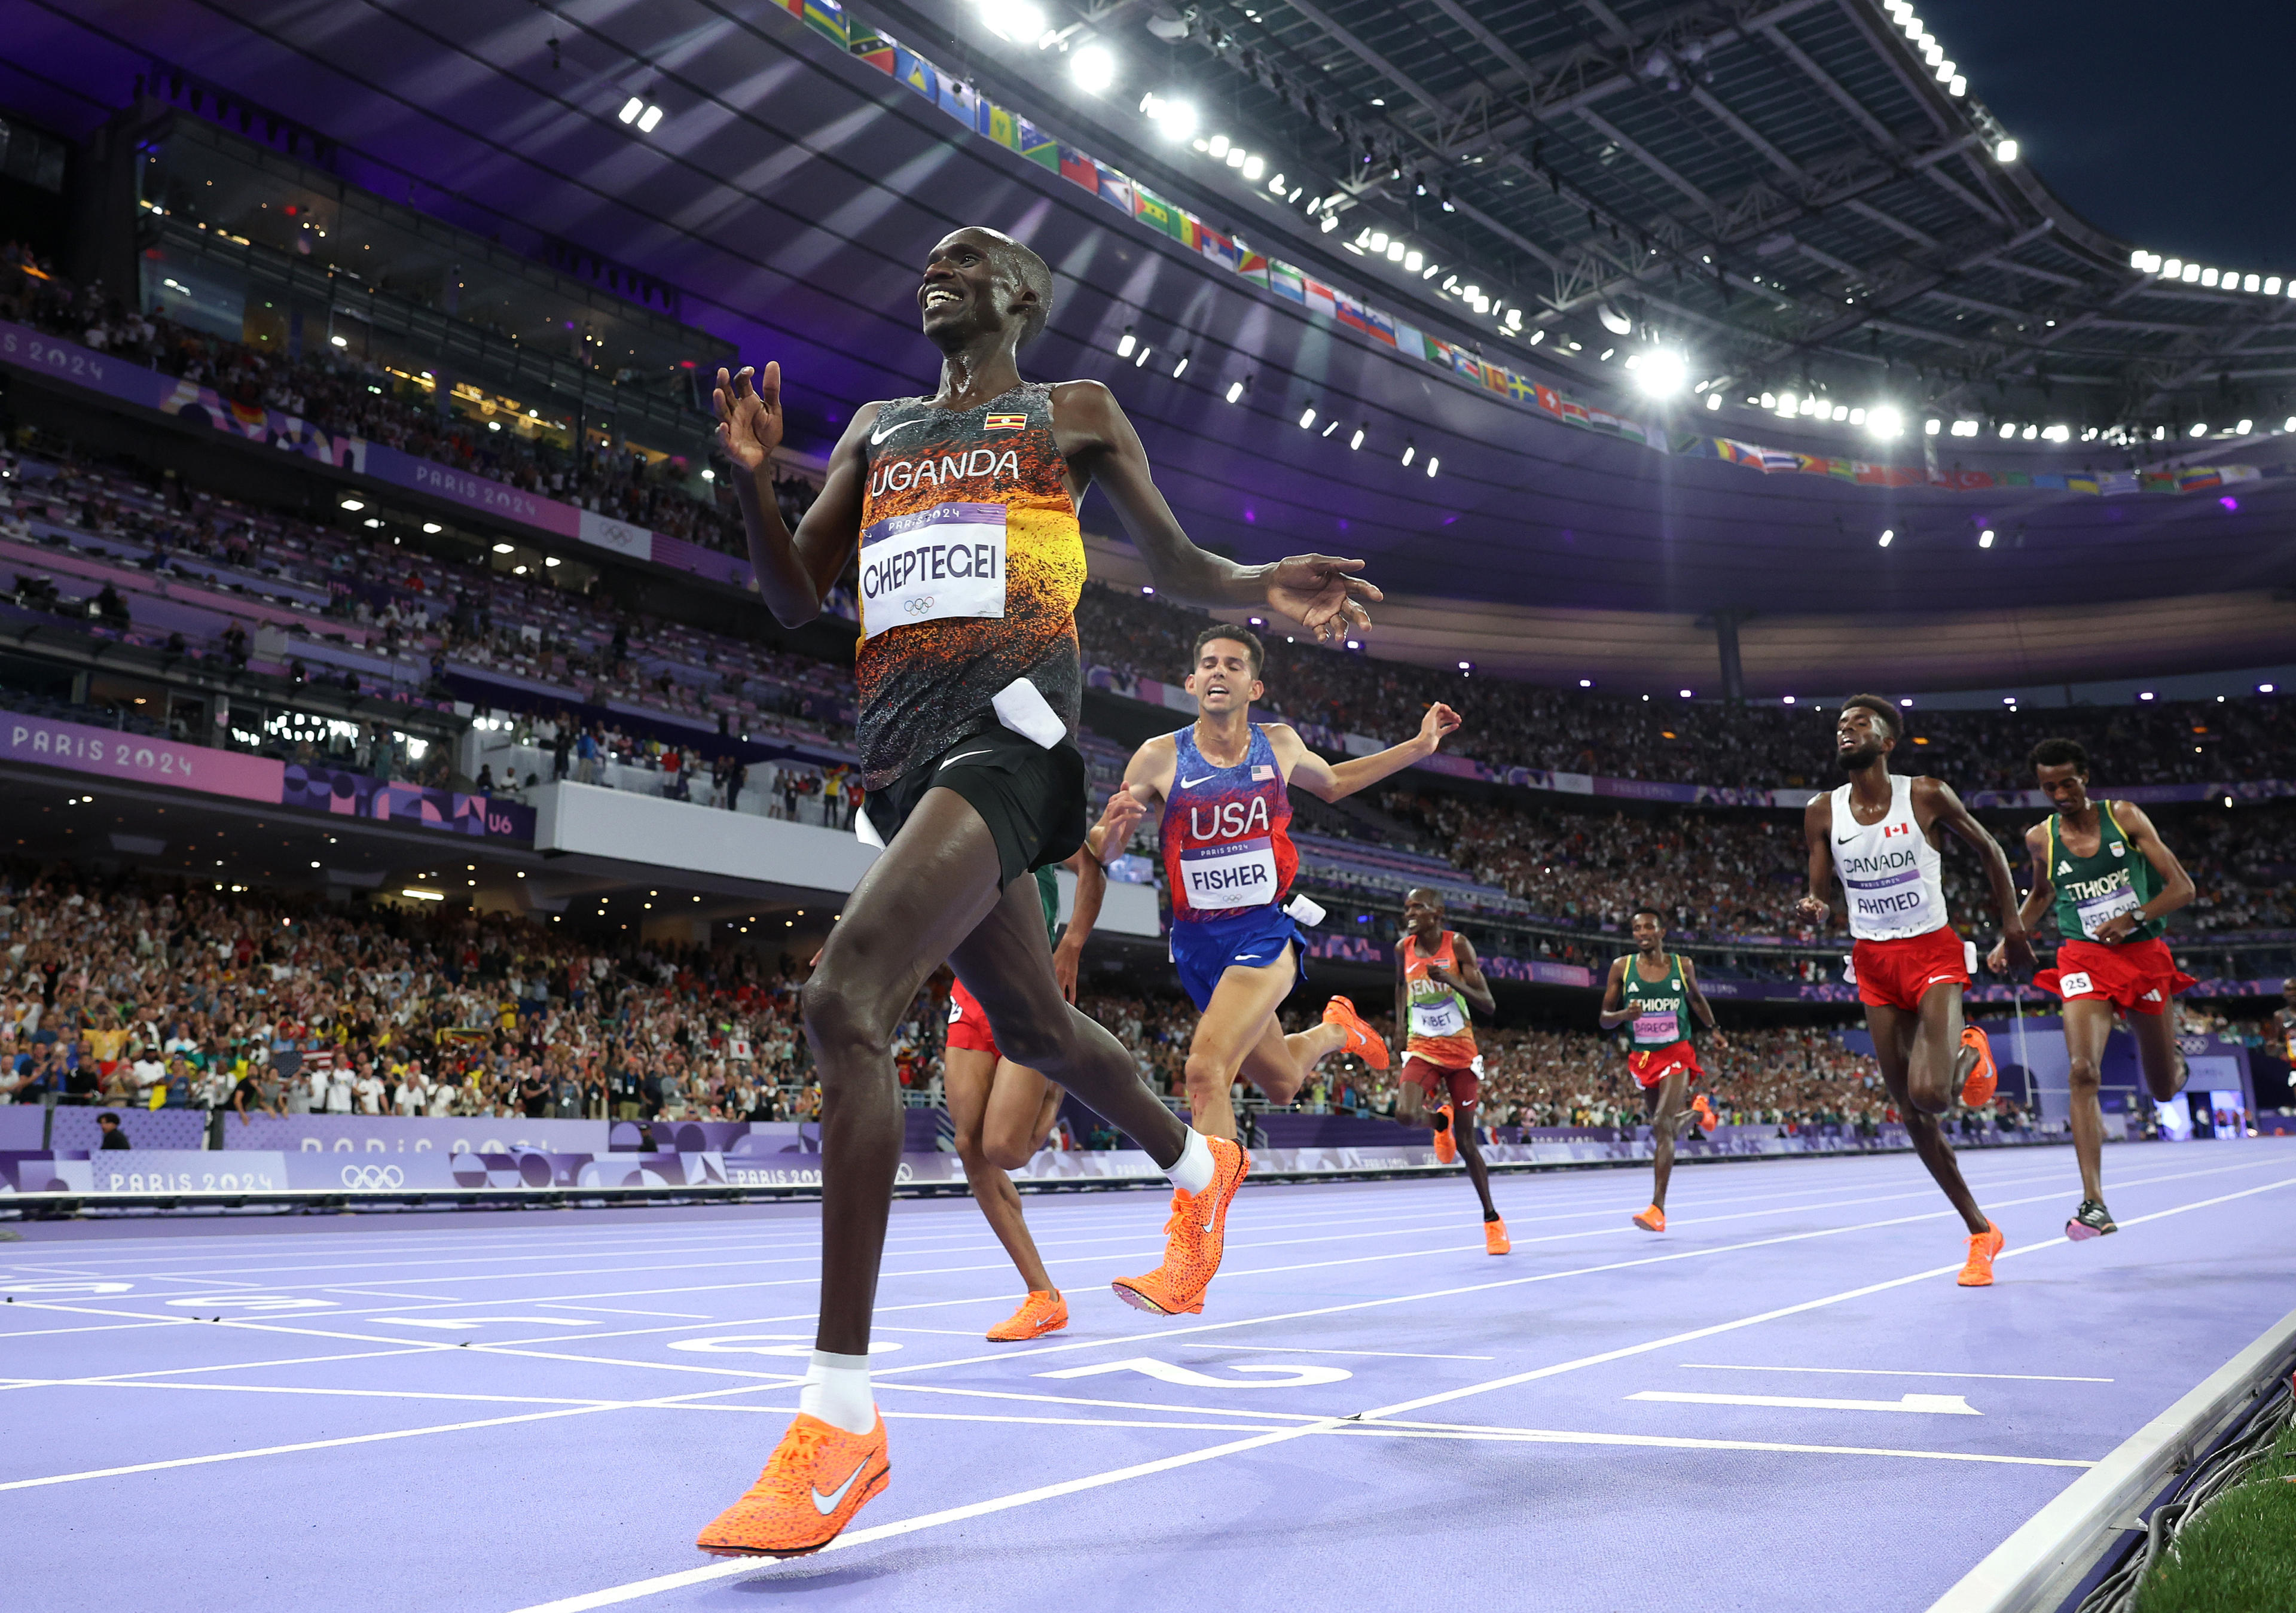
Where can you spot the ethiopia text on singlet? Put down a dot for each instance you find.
(970, 564)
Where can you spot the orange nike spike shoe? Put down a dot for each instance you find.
(1040, 1313)
(1447, 1142)
(1652, 1220)
(1195, 1237)
(1977, 1090)
(1363, 1041)
(1983, 1247)
(1495, 1239)
(1707, 1118)
(816, 1480)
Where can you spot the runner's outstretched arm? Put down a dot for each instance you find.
(2176, 885)
(1329, 781)
(1092, 888)
(1315, 590)
(794, 571)
(1945, 807)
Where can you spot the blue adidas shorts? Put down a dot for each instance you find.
(1204, 949)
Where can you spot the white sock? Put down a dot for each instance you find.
(1193, 1170)
(837, 1391)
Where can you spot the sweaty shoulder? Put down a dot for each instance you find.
(1083, 405)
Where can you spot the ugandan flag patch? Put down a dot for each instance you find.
(1006, 423)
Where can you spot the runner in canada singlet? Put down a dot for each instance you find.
(971, 564)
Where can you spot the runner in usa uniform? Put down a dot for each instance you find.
(1437, 977)
(1653, 994)
(1229, 862)
(1880, 833)
(2102, 865)
(959, 512)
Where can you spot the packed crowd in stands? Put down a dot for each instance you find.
(1331, 692)
(345, 396)
(154, 993)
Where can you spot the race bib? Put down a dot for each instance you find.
(2098, 910)
(1240, 875)
(1440, 1018)
(946, 561)
(2075, 985)
(1658, 1027)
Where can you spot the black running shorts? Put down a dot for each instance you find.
(1032, 799)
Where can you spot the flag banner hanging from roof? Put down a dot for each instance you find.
(1016, 134)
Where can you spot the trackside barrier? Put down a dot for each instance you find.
(2038, 1567)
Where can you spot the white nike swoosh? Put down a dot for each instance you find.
(1240, 957)
(961, 755)
(1190, 783)
(877, 437)
(826, 1504)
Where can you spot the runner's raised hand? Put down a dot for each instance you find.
(748, 420)
(1316, 591)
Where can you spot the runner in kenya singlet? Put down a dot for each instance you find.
(970, 564)
(1439, 1031)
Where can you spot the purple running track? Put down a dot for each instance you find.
(1783, 1401)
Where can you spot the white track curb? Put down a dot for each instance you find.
(2037, 1568)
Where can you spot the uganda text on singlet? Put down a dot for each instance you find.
(971, 566)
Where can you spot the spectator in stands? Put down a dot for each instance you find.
(114, 1138)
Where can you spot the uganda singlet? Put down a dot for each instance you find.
(1439, 1031)
(1225, 835)
(1660, 1007)
(970, 564)
(2110, 881)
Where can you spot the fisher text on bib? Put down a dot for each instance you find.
(1240, 875)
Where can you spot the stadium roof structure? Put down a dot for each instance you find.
(1784, 197)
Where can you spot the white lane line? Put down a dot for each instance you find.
(1727, 1366)
(1304, 1350)
(568, 1304)
(635, 1590)
(1926, 1405)
(254, 1388)
(1559, 1436)
(349, 1439)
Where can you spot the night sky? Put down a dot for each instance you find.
(2168, 125)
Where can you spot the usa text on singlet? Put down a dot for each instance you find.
(1889, 869)
(970, 564)
(1226, 833)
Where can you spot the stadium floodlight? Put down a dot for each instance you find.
(1142, 357)
(1957, 86)
(1307, 418)
(2005, 152)
(2192, 272)
(1217, 146)
(1410, 452)
(1126, 343)
(1884, 420)
(1985, 539)
(1713, 400)
(1234, 391)
(1686, 695)
(1175, 119)
(649, 120)
(2244, 428)
(1413, 260)
(1018, 19)
(2207, 276)
(353, 504)
(1661, 371)
(1395, 251)
(340, 341)
(1237, 156)
(1432, 463)
(1093, 67)
(1254, 166)
(1357, 440)
(505, 548)
(1181, 368)
(2200, 428)
(432, 528)
(1888, 537)
(1586, 683)
(631, 108)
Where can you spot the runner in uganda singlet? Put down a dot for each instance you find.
(2110, 881)
(1661, 1007)
(1889, 869)
(1227, 832)
(969, 568)
(1439, 1032)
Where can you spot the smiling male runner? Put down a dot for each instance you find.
(962, 509)
(2103, 864)
(1229, 862)
(1880, 833)
(1437, 977)
(1652, 992)
(1003, 1111)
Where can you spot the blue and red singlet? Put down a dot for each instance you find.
(1228, 862)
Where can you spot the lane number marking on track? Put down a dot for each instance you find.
(1297, 1375)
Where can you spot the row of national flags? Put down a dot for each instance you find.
(1008, 128)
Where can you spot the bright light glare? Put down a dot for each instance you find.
(1661, 371)
(1234, 391)
(1175, 119)
(1886, 538)
(649, 119)
(2005, 152)
(631, 108)
(1884, 420)
(1013, 19)
(1094, 68)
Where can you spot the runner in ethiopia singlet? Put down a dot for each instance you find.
(970, 564)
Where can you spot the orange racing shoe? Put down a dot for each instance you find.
(1652, 1220)
(1040, 1313)
(1447, 1144)
(1194, 1239)
(1977, 1090)
(1707, 1118)
(1495, 1239)
(1363, 1041)
(1983, 1247)
(816, 1480)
